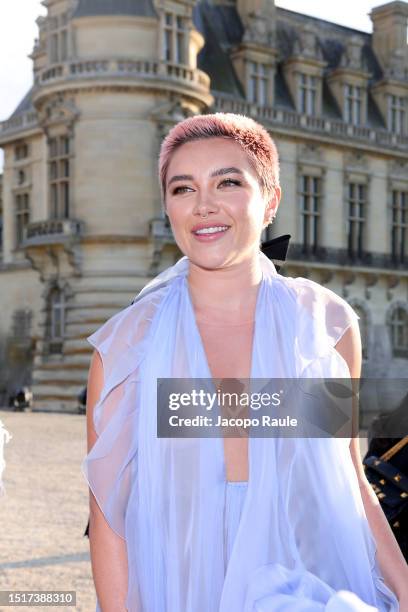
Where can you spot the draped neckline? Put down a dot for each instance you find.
(204, 363)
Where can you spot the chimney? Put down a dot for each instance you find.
(390, 31)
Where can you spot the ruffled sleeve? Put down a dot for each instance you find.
(322, 319)
(111, 465)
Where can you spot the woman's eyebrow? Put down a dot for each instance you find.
(219, 172)
(231, 170)
(180, 177)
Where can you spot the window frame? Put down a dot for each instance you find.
(353, 104)
(21, 216)
(310, 215)
(59, 175)
(308, 91)
(174, 38)
(399, 225)
(356, 199)
(396, 112)
(58, 38)
(396, 327)
(258, 83)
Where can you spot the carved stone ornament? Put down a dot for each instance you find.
(168, 114)
(352, 56)
(306, 45)
(258, 30)
(398, 169)
(310, 154)
(57, 110)
(356, 162)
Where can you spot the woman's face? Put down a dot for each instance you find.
(215, 203)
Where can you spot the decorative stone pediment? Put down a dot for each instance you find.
(352, 57)
(307, 44)
(398, 169)
(258, 30)
(310, 154)
(356, 162)
(168, 114)
(58, 110)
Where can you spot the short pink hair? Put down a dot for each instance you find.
(250, 135)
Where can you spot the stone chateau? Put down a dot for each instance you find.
(82, 228)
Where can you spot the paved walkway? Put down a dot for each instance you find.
(45, 509)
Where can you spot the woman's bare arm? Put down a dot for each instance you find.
(390, 558)
(108, 550)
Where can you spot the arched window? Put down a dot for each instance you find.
(399, 332)
(363, 324)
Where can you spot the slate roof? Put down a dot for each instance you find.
(223, 30)
(142, 8)
(25, 105)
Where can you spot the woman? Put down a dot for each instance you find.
(228, 524)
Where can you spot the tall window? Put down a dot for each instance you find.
(174, 38)
(363, 324)
(59, 173)
(310, 201)
(58, 38)
(353, 97)
(356, 217)
(258, 83)
(396, 114)
(399, 226)
(21, 151)
(22, 216)
(399, 332)
(307, 94)
(22, 324)
(56, 320)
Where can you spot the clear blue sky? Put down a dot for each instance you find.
(18, 30)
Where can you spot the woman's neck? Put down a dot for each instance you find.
(225, 295)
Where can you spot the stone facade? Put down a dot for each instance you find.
(83, 228)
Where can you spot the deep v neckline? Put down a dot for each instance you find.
(204, 363)
(208, 374)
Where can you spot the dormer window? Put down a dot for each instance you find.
(307, 94)
(258, 83)
(174, 38)
(396, 114)
(353, 102)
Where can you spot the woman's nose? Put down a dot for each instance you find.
(205, 204)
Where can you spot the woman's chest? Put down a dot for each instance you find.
(228, 349)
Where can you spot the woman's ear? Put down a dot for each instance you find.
(271, 207)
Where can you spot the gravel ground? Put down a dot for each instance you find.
(44, 511)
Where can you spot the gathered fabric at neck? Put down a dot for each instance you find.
(303, 539)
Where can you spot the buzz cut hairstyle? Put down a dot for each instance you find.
(250, 135)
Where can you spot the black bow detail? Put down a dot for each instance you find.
(276, 249)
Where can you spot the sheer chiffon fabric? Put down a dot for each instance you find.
(303, 542)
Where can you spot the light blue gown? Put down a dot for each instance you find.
(296, 537)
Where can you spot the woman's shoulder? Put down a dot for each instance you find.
(314, 296)
(320, 311)
(127, 329)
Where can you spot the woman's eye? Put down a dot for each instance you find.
(230, 181)
(181, 189)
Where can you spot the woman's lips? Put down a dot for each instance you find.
(210, 233)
